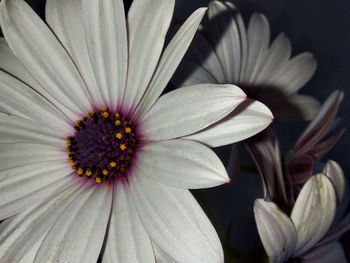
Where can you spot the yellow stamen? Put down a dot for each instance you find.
(128, 130)
(117, 115)
(98, 180)
(79, 122)
(88, 172)
(70, 160)
(119, 135)
(105, 114)
(80, 171)
(112, 164)
(123, 147)
(117, 123)
(104, 172)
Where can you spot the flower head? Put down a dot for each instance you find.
(92, 157)
(227, 51)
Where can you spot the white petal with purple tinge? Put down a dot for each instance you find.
(175, 222)
(127, 239)
(181, 163)
(250, 118)
(201, 106)
(276, 230)
(78, 234)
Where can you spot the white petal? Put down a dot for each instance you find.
(313, 212)
(190, 109)
(171, 59)
(181, 163)
(26, 185)
(277, 55)
(10, 64)
(21, 100)
(43, 56)
(21, 235)
(294, 74)
(329, 253)
(105, 29)
(175, 222)
(248, 119)
(65, 19)
(276, 230)
(77, 235)
(148, 22)
(190, 73)
(334, 172)
(161, 256)
(14, 128)
(226, 36)
(127, 239)
(18, 154)
(258, 41)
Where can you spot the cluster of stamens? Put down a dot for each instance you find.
(103, 146)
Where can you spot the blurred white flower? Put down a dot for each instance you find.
(91, 156)
(316, 222)
(230, 52)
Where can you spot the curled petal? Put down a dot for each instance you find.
(276, 230)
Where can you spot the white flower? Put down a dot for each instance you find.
(229, 52)
(312, 231)
(87, 93)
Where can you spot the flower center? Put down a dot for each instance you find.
(102, 146)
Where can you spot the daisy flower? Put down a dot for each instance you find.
(316, 222)
(227, 51)
(93, 160)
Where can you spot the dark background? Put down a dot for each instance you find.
(321, 27)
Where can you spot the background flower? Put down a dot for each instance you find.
(227, 51)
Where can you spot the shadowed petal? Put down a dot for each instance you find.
(226, 36)
(258, 35)
(294, 74)
(329, 253)
(190, 73)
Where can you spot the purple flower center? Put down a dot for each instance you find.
(103, 146)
